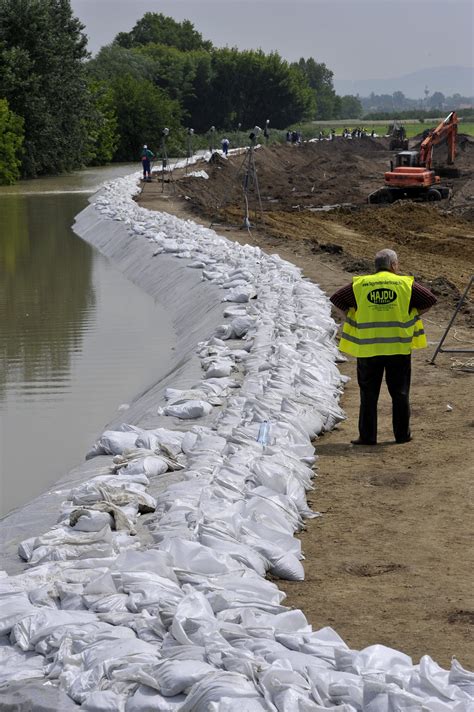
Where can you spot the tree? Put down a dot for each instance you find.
(142, 111)
(154, 28)
(320, 78)
(11, 143)
(114, 61)
(42, 48)
(101, 125)
(436, 100)
(250, 86)
(350, 107)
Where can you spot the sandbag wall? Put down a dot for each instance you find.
(148, 598)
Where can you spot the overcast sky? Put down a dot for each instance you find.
(356, 38)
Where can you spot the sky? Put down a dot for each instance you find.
(356, 39)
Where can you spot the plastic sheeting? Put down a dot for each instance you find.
(154, 598)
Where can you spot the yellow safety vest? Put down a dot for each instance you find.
(382, 324)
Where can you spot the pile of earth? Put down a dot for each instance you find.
(292, 177)
(312, 176)
(297, 184)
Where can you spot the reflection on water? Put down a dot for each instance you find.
(76, 338)
(45, 290)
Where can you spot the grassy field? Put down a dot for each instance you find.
(413, 128)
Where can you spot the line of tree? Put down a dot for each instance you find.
(419, 114)
(61, 109)
(377, 103)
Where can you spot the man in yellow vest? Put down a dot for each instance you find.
(381, 329)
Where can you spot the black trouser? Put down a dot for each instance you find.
(397, 376)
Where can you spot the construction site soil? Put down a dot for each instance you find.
(390, 560)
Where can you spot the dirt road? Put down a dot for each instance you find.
(390, 560)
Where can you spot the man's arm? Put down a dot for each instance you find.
(343, 300)
(422, 299)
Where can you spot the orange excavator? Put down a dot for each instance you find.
(413, 177)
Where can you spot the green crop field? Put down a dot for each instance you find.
(413, 128)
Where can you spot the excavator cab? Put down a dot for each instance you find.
(409, 159)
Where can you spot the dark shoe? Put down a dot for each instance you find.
(404, 440)
(359, 441)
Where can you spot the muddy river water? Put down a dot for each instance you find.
(77, 339)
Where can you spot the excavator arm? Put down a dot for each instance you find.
(446, 129)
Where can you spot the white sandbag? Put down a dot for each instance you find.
(177, 676)
(194, 619)
(14, 607)
(240, 293)
(152, 465)
(113, 442)
(220, 369)
(146, 699)
(189, 409)
(27, 632)
(189, 441)
(236, 704)
(462, 678)
(174, 395)
(216, 686)
(168, 440)
(92, 521)
(103, 701)
(18, 666)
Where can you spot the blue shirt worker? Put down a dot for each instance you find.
(382, 327)
(225, 146)
(146, 158)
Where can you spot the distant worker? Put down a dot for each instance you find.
(146, 158)
(381, 329)
(225, 146)
(288, 136)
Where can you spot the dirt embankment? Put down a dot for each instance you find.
(391, 558)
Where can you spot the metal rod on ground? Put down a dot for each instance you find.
(456, 311)
(164, 157)
(190, 152)
(250, 178)
(212, 135)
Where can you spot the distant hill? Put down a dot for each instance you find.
(448, 80)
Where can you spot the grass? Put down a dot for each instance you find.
(413, 128)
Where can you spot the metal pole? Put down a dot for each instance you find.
(458, 307)
(164, 157)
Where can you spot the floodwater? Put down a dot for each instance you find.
(77, 339)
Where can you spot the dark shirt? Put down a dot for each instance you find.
(421, 298)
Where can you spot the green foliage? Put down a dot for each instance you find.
(100, 125)
(42, 49)
(114, 61)
(172, 70)
(142, 111)
(319, 78)
(154, 28)
(11, 143)
(350, 107)
(250, 87)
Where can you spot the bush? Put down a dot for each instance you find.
(11, 144)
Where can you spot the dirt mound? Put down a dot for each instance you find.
(296, 184)
(294, 177)
(402, 223)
